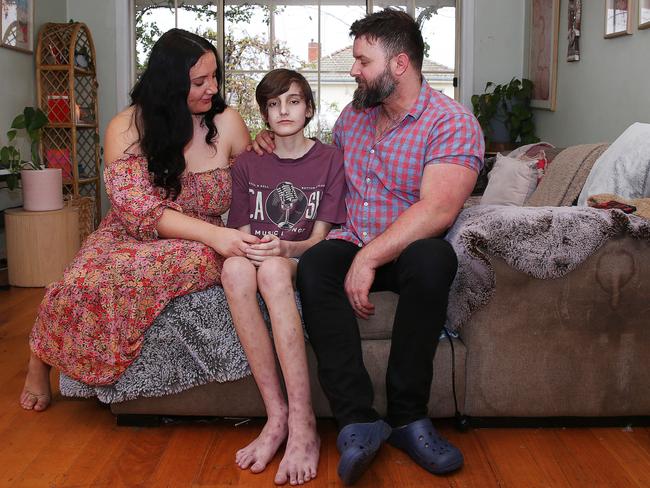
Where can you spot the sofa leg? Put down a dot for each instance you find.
(138, 420)
(462, 422)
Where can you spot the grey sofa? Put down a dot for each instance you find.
(575, 346)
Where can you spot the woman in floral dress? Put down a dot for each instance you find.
(168, 180)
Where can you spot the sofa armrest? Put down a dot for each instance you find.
(572, 346)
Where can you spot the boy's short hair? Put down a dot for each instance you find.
(396, 30)
(278, 81)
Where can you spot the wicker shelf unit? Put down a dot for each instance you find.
(67, 92)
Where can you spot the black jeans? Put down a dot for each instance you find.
(422, 276)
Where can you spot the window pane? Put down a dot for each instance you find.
(382, 4)
(295, 27)
(240, 94)
(337, 86)
(246, 42)
(438, 24)
(152, 19)
(200, 17)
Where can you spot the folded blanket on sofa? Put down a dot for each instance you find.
(193, 341)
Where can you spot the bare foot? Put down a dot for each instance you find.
(258, 453)
(36, 393)
(300, 460)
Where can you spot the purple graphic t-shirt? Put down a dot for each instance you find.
(285, 197)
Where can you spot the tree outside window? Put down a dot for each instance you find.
(311, 37)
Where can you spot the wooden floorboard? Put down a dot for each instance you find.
(76, 444)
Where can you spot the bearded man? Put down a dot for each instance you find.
(412, 156)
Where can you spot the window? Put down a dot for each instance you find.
(311, 36)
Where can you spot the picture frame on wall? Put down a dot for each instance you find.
(17, 25)
(543, 24)
(618, 18)
(644, 14)
(573, 35)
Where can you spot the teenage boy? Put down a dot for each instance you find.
(412, 156)
(289, 199)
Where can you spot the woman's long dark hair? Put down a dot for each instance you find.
(162, 117)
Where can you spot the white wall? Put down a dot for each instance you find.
(603, 93)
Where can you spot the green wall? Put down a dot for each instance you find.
(18, 84)
(599, 96)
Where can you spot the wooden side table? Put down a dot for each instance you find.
(40, 244)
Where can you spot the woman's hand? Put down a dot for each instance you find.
(264, 142)
(269, 246)
(231, 242)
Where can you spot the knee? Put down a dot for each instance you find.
(275, 274)
(431, 263)
(312, 257)
(238, 273)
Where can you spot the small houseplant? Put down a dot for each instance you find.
(42, 187)
(32, 120)
(504, 112)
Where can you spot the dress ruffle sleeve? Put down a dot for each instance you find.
(134, 198)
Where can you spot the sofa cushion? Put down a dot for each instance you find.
(380, 325)
(565, 177)
(510, 182)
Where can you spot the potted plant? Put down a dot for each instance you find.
(42, 187)
(504, 112)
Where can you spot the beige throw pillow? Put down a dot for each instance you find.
(510, 182)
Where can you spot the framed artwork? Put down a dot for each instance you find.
(618, 18)
(17, 24)
(542, 47)
(575, 17)
(644, 14)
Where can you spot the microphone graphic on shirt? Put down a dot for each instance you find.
(288, 199)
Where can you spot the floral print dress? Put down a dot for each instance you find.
(91, 323)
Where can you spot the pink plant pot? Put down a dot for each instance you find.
(42, 189)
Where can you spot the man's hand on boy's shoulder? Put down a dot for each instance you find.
(263, 143)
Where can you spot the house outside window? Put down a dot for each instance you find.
(309, 36)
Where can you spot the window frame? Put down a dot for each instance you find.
(463, 58)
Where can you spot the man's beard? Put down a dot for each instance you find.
(375, 92)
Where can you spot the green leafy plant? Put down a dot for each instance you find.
(32, 121)
(507, 104)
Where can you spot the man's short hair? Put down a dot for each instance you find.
(278, 81)
(397, 32)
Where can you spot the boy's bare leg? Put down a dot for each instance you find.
(275, 281)
(36, 394)
(239, 280)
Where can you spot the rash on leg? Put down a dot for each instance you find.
(300, 461)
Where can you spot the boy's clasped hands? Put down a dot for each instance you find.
(268, 246)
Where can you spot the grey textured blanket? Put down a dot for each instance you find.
(193, 341)
(543, 242)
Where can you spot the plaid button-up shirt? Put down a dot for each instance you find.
(384, 176)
